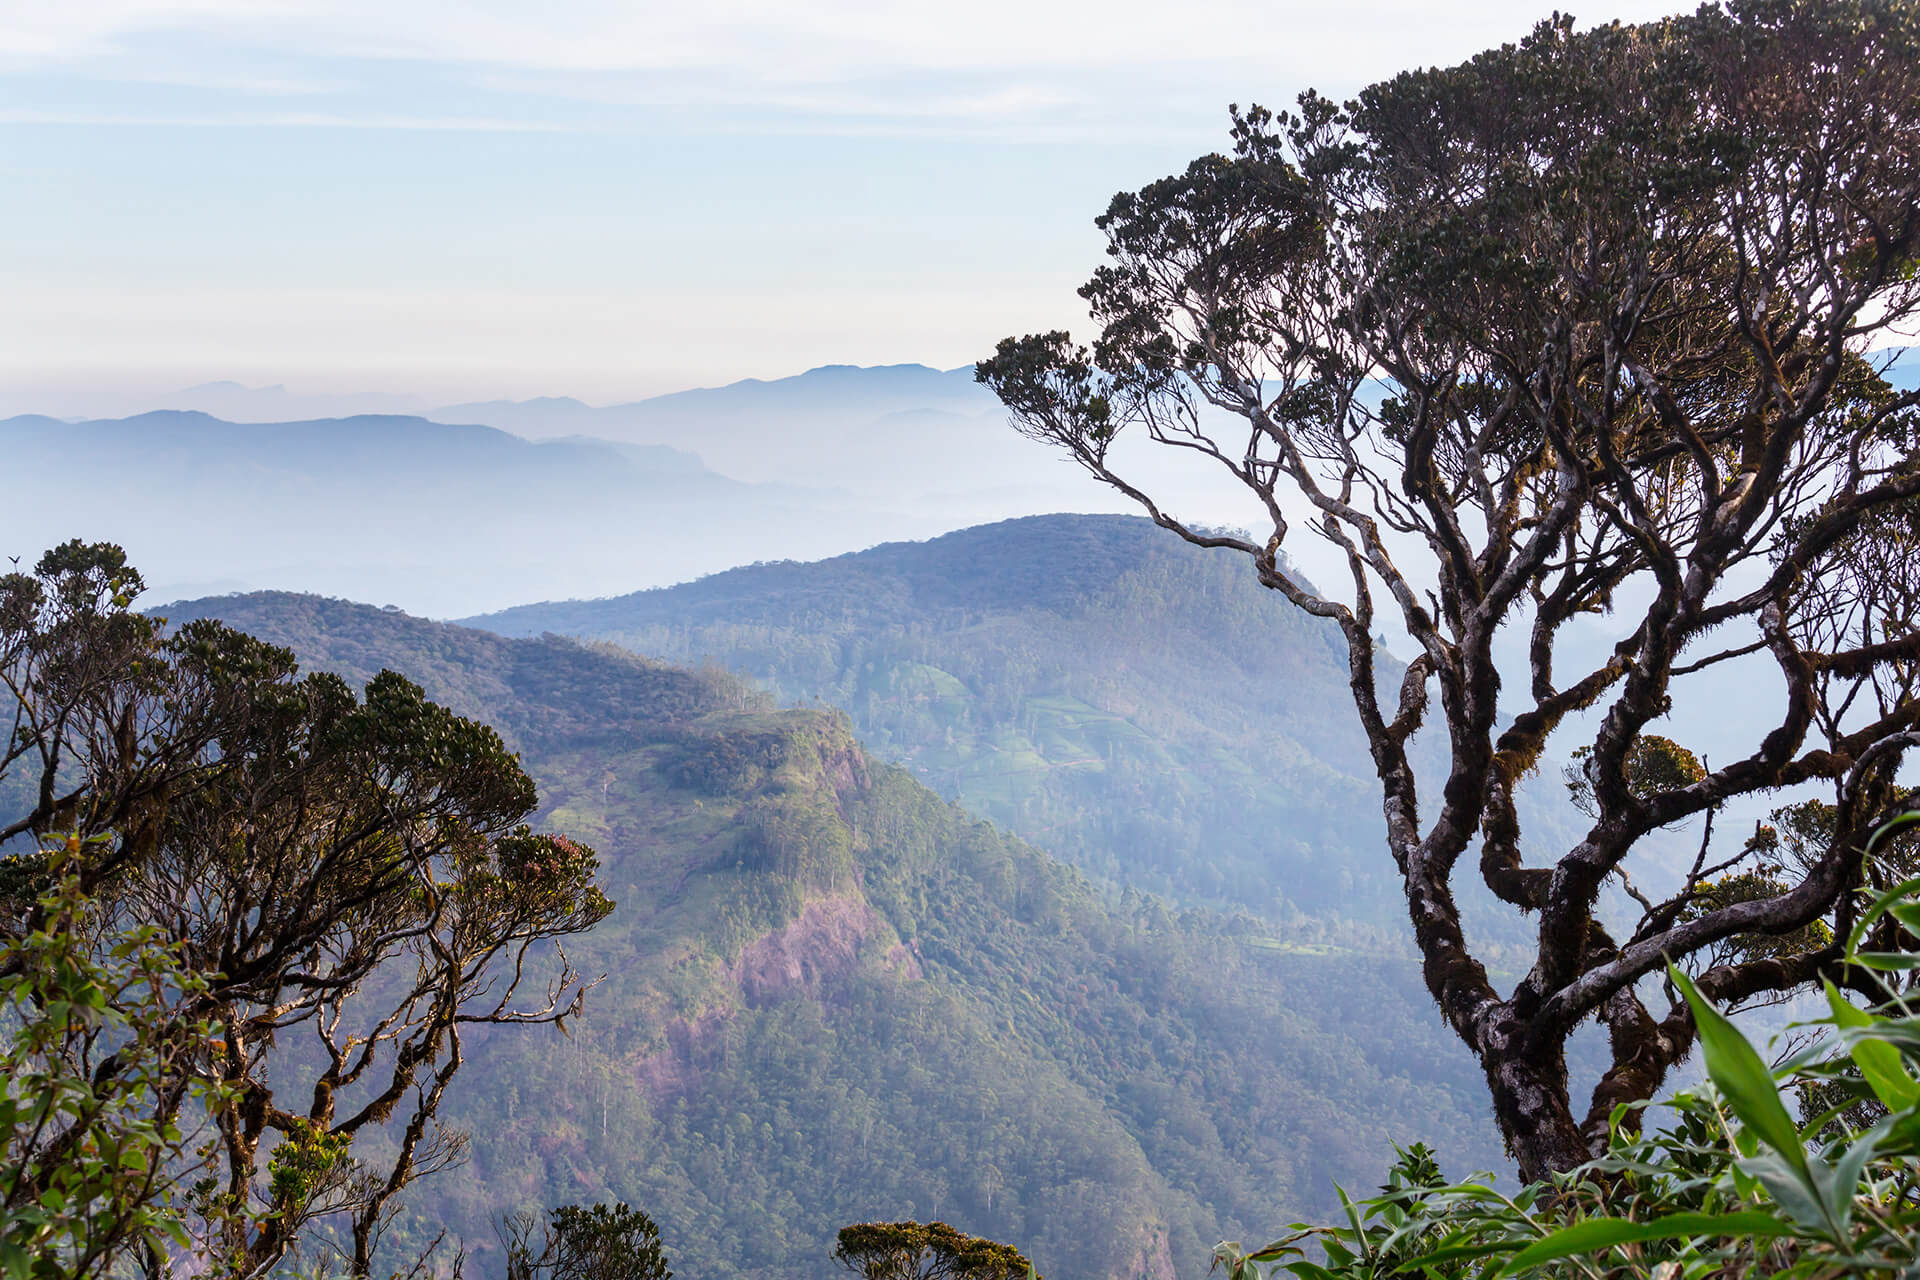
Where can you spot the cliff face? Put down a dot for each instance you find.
(1155, 1260)
(803, 957)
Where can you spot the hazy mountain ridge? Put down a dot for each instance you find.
(451, 517)
(1140, 707)
(835, 391)
(444, 453)
(833, 997)
(879, 432)
(438, 518)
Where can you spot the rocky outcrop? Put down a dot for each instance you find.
(1155, 1260)
(820, 945)
(674, 1069)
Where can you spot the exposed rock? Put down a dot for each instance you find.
(822, 944)
(673, 1070)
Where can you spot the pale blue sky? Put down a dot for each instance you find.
(467, 200)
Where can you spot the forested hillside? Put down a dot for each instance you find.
(1139, 707)
(832, 996)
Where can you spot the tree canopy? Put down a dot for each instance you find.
(339, 886)
(605, 1242)
(1581, 326)
(926, 1251)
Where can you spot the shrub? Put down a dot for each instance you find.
(1733, 1187)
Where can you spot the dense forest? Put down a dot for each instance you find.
(832, 996)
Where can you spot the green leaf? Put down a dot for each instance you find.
(1886, 961)
(1737, 1068)
(1310, 1271)
(1885, 900)
(1837, 1183)
(1595, 1234)
(1879, 1062)
(1452, 1252)
(1798, 1195)
(1276, 1251)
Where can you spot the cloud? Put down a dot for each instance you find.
(276, 120)
(781, 45)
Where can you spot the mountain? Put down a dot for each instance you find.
(906, 434)
(1136, 705)
(226, 399)
(436, 518)
(455, 516)
(826, 396)
(831, 997)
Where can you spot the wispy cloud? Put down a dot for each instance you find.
(839, 57)
(734, 187)
(789, 41)
(278, 120)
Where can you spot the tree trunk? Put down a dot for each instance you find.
(1530, 1102)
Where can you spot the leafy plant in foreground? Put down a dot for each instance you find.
(1734, 1187)
(91, 1152)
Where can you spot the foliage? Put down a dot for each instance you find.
(1580, 326)
(351, 873)
(1730, 1186)
(91, 1073)
(926, 1251)
(605, 1242)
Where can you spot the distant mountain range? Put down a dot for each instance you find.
(434, 518)
(455, 517)
(891, 432)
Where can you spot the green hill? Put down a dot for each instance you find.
(832, 996)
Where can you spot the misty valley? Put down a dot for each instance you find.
(1373, 737)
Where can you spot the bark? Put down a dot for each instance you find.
(1529, 1088)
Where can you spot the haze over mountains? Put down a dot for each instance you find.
(480, 506)
(433, 518)
(835, 996)
(429, 509)
(456, 517)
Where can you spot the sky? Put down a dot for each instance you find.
(461, 201)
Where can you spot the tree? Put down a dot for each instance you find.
(347, 882)
(926, 1251)
(1579, 326)
(606, 1242)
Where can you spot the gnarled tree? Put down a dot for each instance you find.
(1584, 325)
(347, 882)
